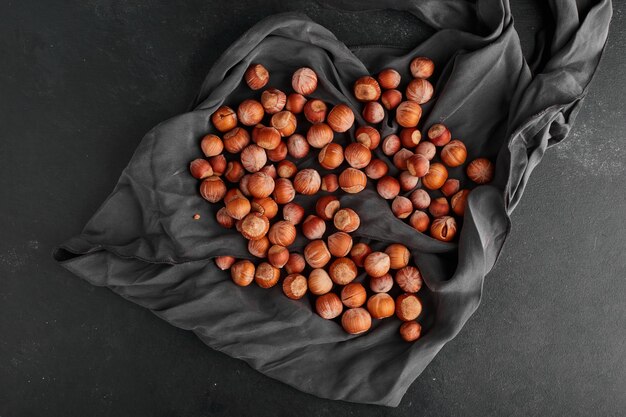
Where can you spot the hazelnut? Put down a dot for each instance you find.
(283, 191)
(295, 103)
(443, 228)
(353, 295)
(418, 165)
(266, 276)
(213, 189)
(295, 264)
(420, 221)
(316, 254)
(278, 256)
(450, 187)
(330, 183)
(242, 272)
(391, 145)
(340, 118)
(342, 271)
(388, 187)
(297, 146)
(320, 282)
(377, 264)
(254, 226)
(282, 233)
(313, 227)
(419, 90)
(409, 279)
(436, 176)
(420, 199)
(295, 286)
(218, 163)
(390, 99)
(238, 207)
(286, 169)
(459, 202)
(481, 171)
(410, 331)
(373, 112)
(359, 252)
(307, 181)
(269, 170)
(260, 247)
(253, 158)
(427, 149)
(439, 134)
(352, 181)
(389, 78)
(410, 137)
(315, 111)
(422, 67)
(327, 206)
(366, 89)
(319, 135)
(356, 321)
(376, 169)
(346, 220)
(357, 155)
(339, 244)
(401, 157)
(211, 145)
(439, 207)
(328, 306)
(408, 113)
(224, 119)
(266, 206)
(399, 255)
(408, 181)
(224, 262)
(224, 219)
(368, 136)
(331, 156)
(401, 207)
(232, 194)
(250, 112)
(261, 185)
(236, 139)
(255, 131)
(454, 153)
(304, 81)
(273, 100)
(381, 306)
(234, 171)
(408, 307)
(200, 169)
(293, 213)
(268, 138)
(277, 154)
(256, 76)
(285, 122)
(381, 284)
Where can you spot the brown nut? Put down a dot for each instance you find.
(420, 199)
(422, 67)
(389, 78)
(295, 264)
(356, 321)
(399, 255)
(353, 295)
(304, 81)
(213, 189)
(328, 306)
(377, 264)
(391, 145)
(278, 256)
(439, 207)
(269, 170)
(436, 176)
(293, 213)
(200, 169)
(266, 276)
(266, 206)
(373, 112)
(409, 279)
(340, 118)
(253, 158)
(254, 226)
(285, 122)
(320, 282)
(390, 99)
(381, 306)
(224, 262)
(459, 202)
(410, 137)
(481, 171)
(366, 89)
(418, 165)
(381, 284)
(261, 185)
(410, 331)
(450, 187)
(242, 272)
(439, 134)
(316, 254)
(256, 76)
(286, 169)
(357, 155)
(331, 156)
(282, 233)
(327, 206)
(238, 207)
(268, 138)
(297, 146)
(224, 219)
(342, 271)
(401, 207)
(420, 221)
(283, 191)
(313, 227)
(408, 307)
(231, 194)
(427, 149)
(315, 111)
(260, 247)
(352, 181)
(443, 228)
(339, 244)
(319, 135)
(273, 100)
(367, 136)
(218, 163)
(388, 187)
(295, 103)
(236, 139)
(346, 220)
(295, 286)
(250, 112)
(330, 183)
(211, 145)
(307, 181)
(376, 169)
(407, 181)
(224, 119)
(401, 158)
(419, 90)
(408, 113)
(359, 252)
(234, 171)
(454, 153)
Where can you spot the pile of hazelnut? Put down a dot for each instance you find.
(250, 169)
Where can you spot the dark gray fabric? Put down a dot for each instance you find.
(144, 245)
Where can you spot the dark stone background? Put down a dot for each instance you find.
(82, 80)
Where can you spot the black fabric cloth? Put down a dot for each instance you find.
(143, 243)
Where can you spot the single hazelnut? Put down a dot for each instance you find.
(328, 306)
(407, 181)
(224, 119)
(419, 90)
(353, 295)
(224, 219)
(340, 118)
(224, 262)
(307, 181)
(269, 170)
(286, 169)
(319, 135)
(293, 213)
(373, 112)
(256, 76)
(297, 146)
(295, 264)
(454, 153)
(234, 171)
(339, 244)
(268, 138)
(390, 99)
(266, 206)
(253, 158)
(410, 331)
(331, 156)
(439, 134)
(418, 165)
(283, 191)
(200, 169)
(285, 122)
(213, 189)
(436, 176)
(377, 264)
(357, 155)
(254, 226)
(408, 307)
(313, 227)
(420, 221)
(420, 199)
(320, 282)
(359, 252)
(356, 321)
(427, 149)
(232, 194)
(242, 272)
(250, 112)
(346, 220)
(368, 136)
(236, 139)
(273, 100)
(391, 145)
(401, 157)
(410, 137)
(282, 233)
(381, 284)
(399, 255)
(278, 256)
(481, 171)
(315, 111)
(389, 78)
(327, 206)
(388, 187)
(409, 279)
(260, 247)
(366, 89)
(381, 305)
(352, 181)
(439, 207)
(255, 131)
(342, 271)
(422, 67)
(266, 276)
(218, 163)
(238, 208)
(443, 228)
(330, 183)
(316, 254)
(211, 145)
(261, 185)
(295, 103)
(295, 286)
(304, 81)
(376, 169)
(277, 154)
(408, 113)
(401, 207)
(450, 187)
(459, 202)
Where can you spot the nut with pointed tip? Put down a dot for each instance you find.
(377, 264)
(373, 112)
(295, 264)
(381, 284)
(224, 219)
(307, 181)
(408, 113)
(359, 252)
(408, 307)
(410, 331)
(391, 99)
(315, 111)
(366, 89)
(253, 158)
(399, 255)
(376, 169)
(339, 244)
(282, 233)
(261, 185)
(420, 199)
(436, 176)
(340, 118)
(419, 90)
(459, 202)
(313, 227)
(283, 191)
(368, 136)
(238, 207)
(297, 146)
(278, 255)
(439, 134)
(388, 187)
(211, 145)
(401, 207)
(295, 103)
(454, 153)
(213, 189)
(316, 254)
(409, 279)
(304, 81)
(224, 262)
(330, 183)
(331, 156)
(285, 122)
(391, 145)
(266, 275)
(422, 67)
(352, 181)
(443, 228)
(420, 221)
(353, 295)
(381, 305)
(200, 169)
(320, 282)
(342, 271)
(273, 100)
(286, 169)
(224, 119)
(259, 247)
(356, 320)
(327, 206)
(319, 135)
(293, 213)
(389, 78)
(328, 306)
(295, 286)
(346, 220)
(250, 112)
(256, 76)
(254, 226)
(242, 272)
(481, 171)
(266, 206)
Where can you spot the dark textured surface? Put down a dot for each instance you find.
(85, 80)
